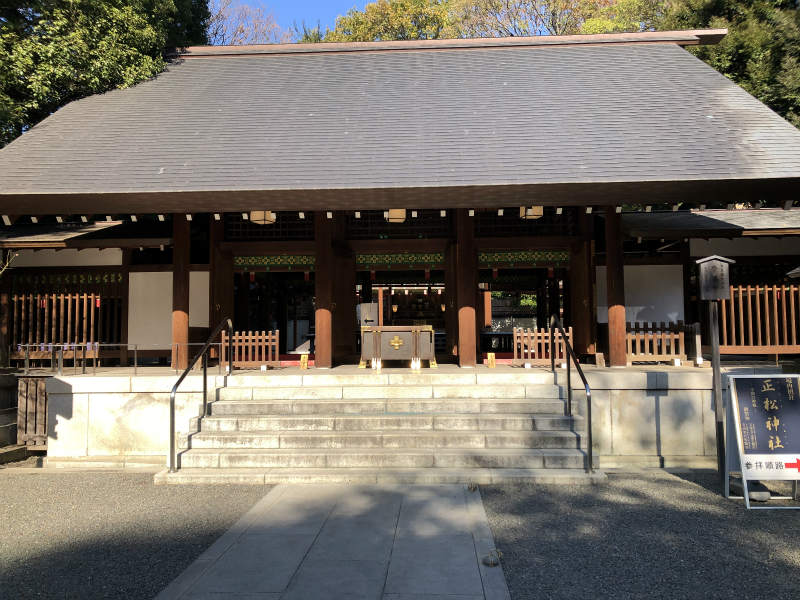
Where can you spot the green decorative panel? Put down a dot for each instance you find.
(303, 262)
(524, 257)
(400, 259)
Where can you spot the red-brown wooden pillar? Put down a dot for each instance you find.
(581, 297)
(615, 283)
(466, 288)
(380, 307)
(221, 275)
(5, 320)
(487, 308)
(180, 292)
(344, 295)
(323, 291)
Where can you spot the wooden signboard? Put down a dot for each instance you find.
(766, 416)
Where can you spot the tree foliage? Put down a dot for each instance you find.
(233, 23)
(761, 51)
(392, 20)
(501, 18)
(56, 51)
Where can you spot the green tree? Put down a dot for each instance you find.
(761, 51)
(56, 51)
(386, 20)
(621, 16)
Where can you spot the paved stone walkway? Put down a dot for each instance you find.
(304, 542)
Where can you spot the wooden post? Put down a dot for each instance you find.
(5, 315)
(221, 276)
(466, 288)
(581, 297)
(380, 307)
(487, 308)
(449, 298)
(615, 282)
(180, 292)
(323, 284)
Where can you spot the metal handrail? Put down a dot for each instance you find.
(555, 322)
(225, 324)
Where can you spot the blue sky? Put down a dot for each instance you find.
(288, 12)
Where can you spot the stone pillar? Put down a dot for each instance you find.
(180, 291)
(323, 291)
(466, 258)
(615, 282)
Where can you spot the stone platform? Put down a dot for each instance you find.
(357, 425)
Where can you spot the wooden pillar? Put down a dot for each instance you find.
(221, 276)
(449, 298)
(180, 292)
(466, 288)
(487, 308)
(380, 307)
(5, 315)
(615, 282)
(581, 297)
(323, 291)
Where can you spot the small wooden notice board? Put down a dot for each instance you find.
(766, 416)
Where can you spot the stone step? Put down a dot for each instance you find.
(378, 406)
(333, 392)
(376, 476)
(380, 439)
(444, 422)
(448, 375)
(383, 457)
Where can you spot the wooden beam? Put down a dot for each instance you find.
(268, 248)
(323, 283)
(392, 246)
(615, 282)
(526, 242)
(180, 293)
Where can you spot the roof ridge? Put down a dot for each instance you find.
(689, 37)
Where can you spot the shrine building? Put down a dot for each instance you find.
(451, 194)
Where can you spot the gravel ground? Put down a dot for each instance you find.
(651, 535)
(106, 534)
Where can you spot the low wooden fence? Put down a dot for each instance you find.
(252, 348)
(760, 320)
(532, 346)
(656, 342)
(37, 321)
(31, 411)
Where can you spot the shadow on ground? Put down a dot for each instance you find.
(642, 536)
(105, 534)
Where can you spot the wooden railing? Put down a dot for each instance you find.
(760, 320)
(656, 342)
(38, 320)
(532, 346)
(253, 348)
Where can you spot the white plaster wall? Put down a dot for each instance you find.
(150, 309)
(652, 293)
(762, 246)
(199, 282)
(68, 258)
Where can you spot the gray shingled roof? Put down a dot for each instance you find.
(456, 127)
(712, 223)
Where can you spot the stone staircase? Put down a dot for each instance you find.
(447, 426)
